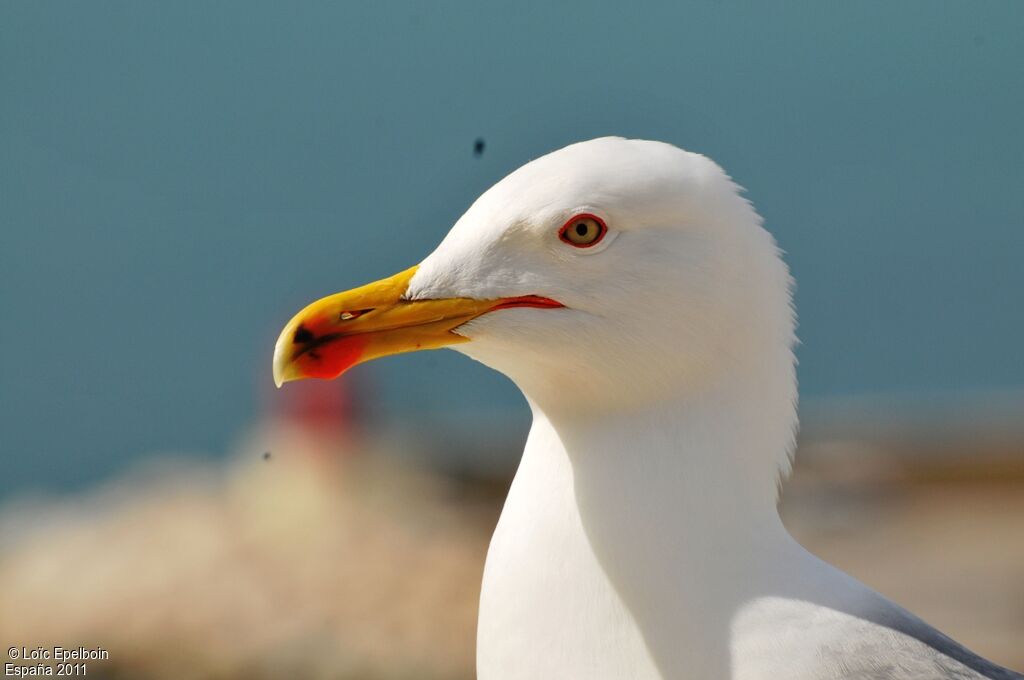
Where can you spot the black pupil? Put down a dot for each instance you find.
(582, 228)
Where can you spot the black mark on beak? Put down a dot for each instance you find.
(303, 336)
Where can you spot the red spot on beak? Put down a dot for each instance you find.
(324, 353)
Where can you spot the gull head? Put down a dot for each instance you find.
(599, 277)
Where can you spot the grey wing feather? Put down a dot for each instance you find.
(896, 645)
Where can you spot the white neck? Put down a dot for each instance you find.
(641, 533)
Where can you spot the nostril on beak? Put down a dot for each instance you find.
(354, 314)
(302, 336)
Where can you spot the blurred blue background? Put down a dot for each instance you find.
(177, 179)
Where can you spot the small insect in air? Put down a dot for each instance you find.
(266, 455)
(478, 147)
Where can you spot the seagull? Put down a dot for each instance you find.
(631, 292)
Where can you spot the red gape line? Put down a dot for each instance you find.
(537, 301)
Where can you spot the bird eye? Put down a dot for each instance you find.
(583, 231)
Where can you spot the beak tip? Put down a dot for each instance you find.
(280, 362)
(279, 378)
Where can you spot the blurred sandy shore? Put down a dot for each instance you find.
(330, 559)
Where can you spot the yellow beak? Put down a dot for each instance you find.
(339, 331)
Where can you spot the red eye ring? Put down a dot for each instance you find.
(584, 230)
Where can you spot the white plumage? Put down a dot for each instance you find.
(640, 538)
